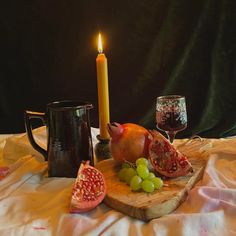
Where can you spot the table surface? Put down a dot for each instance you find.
(32, 204)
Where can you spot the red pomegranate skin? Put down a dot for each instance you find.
(128, 141)
(166, 159)
(89, 189)
(4, 171)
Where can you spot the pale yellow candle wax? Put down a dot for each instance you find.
(103, 91)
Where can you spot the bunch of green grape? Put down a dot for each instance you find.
(138, 176)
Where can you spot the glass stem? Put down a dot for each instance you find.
(171, 135)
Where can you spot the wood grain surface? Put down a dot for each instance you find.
(147, 206)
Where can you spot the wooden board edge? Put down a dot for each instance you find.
(175, 202)
(156, 211)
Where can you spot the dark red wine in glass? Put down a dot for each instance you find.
(171, 115)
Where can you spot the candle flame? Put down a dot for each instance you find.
(100, 49)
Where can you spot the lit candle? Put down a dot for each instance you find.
(103, 94)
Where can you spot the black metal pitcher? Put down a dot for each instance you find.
(69, 140)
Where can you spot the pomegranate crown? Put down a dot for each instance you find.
(115, 130)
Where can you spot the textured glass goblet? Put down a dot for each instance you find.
(171, 115)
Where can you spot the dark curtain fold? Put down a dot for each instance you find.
(154, 47)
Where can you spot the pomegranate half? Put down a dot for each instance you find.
(166, 159)
(89, 189)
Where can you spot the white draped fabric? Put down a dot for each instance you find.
(33, 204)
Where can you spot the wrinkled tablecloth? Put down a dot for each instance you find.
(33, 204)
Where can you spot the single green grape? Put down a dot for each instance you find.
(141, 161)
(158, 183)
(129, 174)
(151, 176)
(125, 165)
(148, 186)
(135, 183)
(122, 174)
(142, 171)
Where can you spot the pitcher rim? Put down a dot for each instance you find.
(75, 104)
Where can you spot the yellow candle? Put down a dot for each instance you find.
(103, 94)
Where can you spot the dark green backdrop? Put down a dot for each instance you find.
(154, 47)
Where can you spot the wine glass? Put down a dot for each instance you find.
(171, 115)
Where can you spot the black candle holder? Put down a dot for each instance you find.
(102, 149)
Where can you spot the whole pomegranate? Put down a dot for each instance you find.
(128, 141)
(89, 189)
(166, 159)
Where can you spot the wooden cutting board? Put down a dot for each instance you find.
(147, 206)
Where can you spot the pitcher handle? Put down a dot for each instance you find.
(28, 115)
